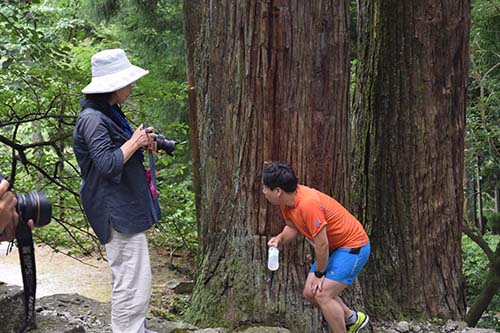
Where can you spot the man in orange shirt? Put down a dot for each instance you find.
(341, 245)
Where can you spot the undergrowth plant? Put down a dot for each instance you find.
(475, 267)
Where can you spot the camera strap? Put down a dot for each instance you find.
(153, 181)
(27, 257)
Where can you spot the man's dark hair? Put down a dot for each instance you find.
(279, 174)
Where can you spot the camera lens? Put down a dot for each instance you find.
(165, 144)
(35, 206)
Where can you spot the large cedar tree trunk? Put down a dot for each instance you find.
(268, 81)
(409, 154)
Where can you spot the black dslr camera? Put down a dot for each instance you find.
(162, 142)
(34, 206)
(165, 144)
(30, 206)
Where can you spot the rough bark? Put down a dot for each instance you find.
(409, 114)
(271, 82)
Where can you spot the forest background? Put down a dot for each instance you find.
(45, 47)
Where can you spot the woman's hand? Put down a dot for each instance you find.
(143, 137)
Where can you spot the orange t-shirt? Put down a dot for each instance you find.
(313, 210)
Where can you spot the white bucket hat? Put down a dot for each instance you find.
(111, 70)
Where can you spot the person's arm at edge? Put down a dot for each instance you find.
(321, 250)
(8, 214)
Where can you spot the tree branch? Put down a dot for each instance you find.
(496, 7)
(475, 235)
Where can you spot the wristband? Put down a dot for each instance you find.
(319, 274)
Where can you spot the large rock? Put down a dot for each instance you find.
(11, 308)
(165, 326)
(76, 314)
(12, 314)
(56, 325)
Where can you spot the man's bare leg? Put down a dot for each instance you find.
(327, 300)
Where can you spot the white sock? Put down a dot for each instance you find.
(352, 318)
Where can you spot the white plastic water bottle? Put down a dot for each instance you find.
(273, 258)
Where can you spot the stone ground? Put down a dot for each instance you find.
(172, 285)
(73, 313)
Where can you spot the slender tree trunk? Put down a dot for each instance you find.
(192, 27)
(470, 199)
(409, 154)
(271, 83)
(480, 216)
(497, 200)
(473, 199)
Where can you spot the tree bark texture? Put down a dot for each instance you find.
(271, 83)
(409, 114)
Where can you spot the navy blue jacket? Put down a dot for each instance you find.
(111, 192)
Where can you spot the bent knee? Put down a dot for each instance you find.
(321, 297)
(308, 295)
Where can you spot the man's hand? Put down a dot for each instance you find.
(317, 284)
(8, 213)
(275, 241)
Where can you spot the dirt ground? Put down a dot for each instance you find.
(58, 273)
(172, 282)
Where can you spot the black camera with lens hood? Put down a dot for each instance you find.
(30, 206)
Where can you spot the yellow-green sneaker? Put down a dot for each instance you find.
(359, 324)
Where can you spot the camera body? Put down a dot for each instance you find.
(33, 206)
(165, 144)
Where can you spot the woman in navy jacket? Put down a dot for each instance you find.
(115, 191)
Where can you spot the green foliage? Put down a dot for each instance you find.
(494, 223)
(45, 52)
(483, 118)
(103, 8)
(178, 225)
(485, 21)
(38, 82)
(475, 268)
(489, 322)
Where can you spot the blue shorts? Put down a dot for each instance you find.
(344, 265)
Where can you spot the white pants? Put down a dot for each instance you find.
(128, 258)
